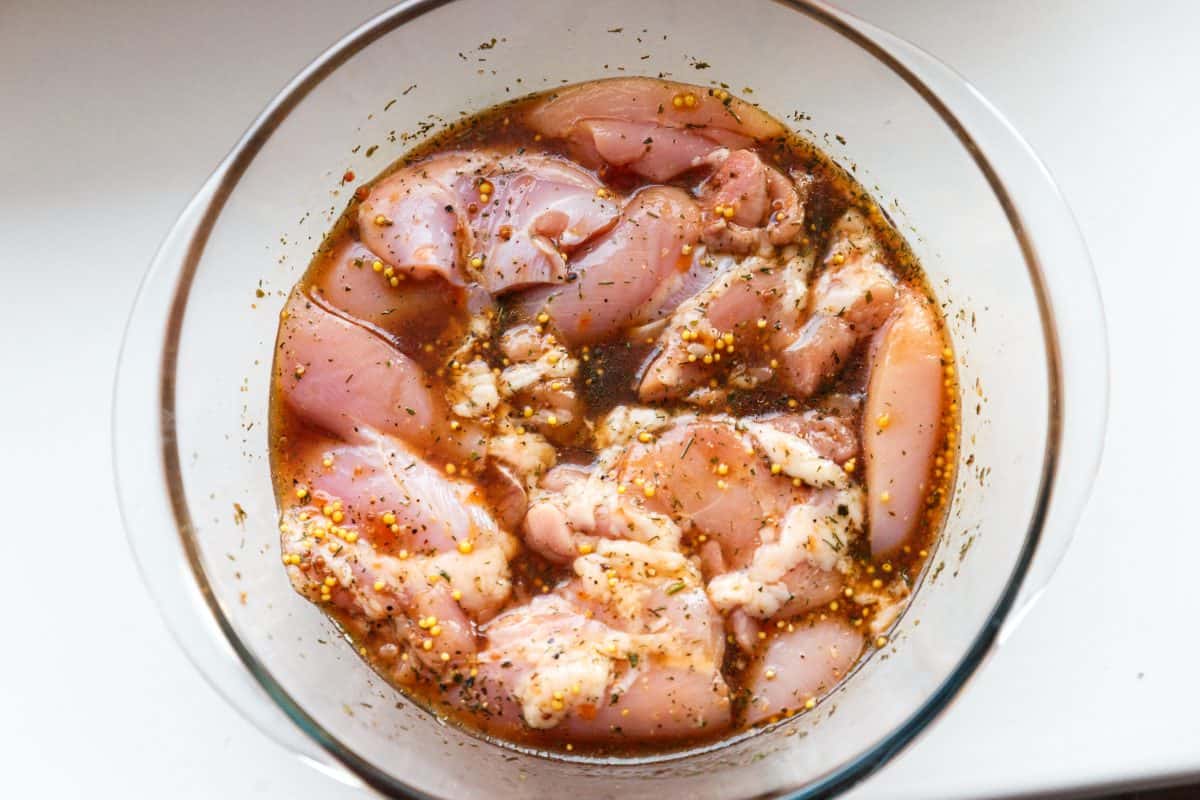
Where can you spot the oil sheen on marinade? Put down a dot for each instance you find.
(613, 419)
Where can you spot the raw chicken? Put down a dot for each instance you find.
(626, 276)
(630, 646)
(322, 361)
(829, 432)
(654, 128)
(413, 219)
(748, 206)
(798, 667)
(796, 564)
(711, 480)
(755, 303)
(575, 507)
(769, 546)
(901, 421)
(352, 279)
(507, 219)
(565, 405)
(540, 210)
(385, 536)
(851, 299)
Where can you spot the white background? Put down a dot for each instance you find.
(111, 115)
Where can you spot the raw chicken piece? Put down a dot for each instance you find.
(748, 206)
(756, 292)
(345, 379)
(413, 219)
(901, 421)
(657, 473)
(346, 577)
(850, 300)
(655, 128)
(629, 646)
(411, 313)
(433, 513)
(766, 542)
(796, 566)
(386, 536)
(541, 208)
(709, 478)
(800, 666)
(507, 219)
(575, 507)
(626, 275)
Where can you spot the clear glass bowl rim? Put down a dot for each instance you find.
(206, 207)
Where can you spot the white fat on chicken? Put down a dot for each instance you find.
(567, 659)
(473, 391)
(887, 603)
(528, 453)
(620, 574)
(623, 424)
(480, 576)
(817, 532)
(570, 657)
(538, 358)
(796, 457)
(579, 674)
(573, 513)
(519, 377)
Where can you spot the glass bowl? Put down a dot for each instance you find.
(997, 242)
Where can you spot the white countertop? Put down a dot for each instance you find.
(111, 115)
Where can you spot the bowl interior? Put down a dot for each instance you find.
(467, 55)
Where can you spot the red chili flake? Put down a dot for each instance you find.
(361, 193)
(348, 176)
